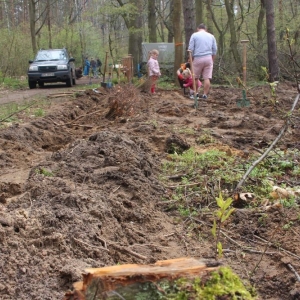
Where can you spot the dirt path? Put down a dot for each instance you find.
(7, 96)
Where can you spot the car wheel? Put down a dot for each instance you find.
(69, 81)
(41, 84)
(32, 84)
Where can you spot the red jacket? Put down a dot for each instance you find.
(189, 83)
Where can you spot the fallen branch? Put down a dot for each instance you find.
(80, 117)
(16, 112)
(282, 131)
(294, 271)
(61, 95)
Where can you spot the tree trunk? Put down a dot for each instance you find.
(272, 51)
(233, 37)
(49, 24)
(260, 20)
(209, 22)
(32, 12)
(177, 37)
(152, 22)
(199, 9)
(136, 34)
(189, 21)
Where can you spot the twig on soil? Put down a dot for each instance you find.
(282, 131)
(167, 235)
(16, 112)
(116, 189)
(102, 240)
(129, 251)
(86, 126)
(182, 185)
(147, 245)
(249, 250)
(294, 271)
(264, 252)
(61, 95)
(90, 246)
(280, 248)
(231, 240)
(234, 242)
(166, 202)
(80, 117)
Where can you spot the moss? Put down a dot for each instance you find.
(221, 284)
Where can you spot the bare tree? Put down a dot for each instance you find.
(271, 37)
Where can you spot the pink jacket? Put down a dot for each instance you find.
(153, 67)
(189, 83)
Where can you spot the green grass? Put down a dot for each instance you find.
(13, 83)
(14, 112)
(208, 174)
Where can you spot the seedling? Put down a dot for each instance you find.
(221, 215)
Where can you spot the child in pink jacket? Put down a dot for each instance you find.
(153, 69)
(188, 82)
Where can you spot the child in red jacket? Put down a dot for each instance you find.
(188, 82)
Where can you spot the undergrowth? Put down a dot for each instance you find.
(13, 112)
(197, 179)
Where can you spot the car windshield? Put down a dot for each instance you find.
(50, 55)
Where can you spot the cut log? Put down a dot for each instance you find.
(182, 278)
(129, 280)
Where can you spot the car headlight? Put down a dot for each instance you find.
(33, 68)
(62, 67)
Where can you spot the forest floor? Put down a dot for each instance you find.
(80, 188)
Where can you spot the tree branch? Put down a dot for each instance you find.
(282, 131)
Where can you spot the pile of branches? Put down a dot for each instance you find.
(123, 101)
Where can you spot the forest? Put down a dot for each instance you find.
(93, 27)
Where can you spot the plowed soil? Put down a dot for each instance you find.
(80, 188)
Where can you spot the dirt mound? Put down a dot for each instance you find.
(80, 188)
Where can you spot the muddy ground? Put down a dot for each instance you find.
(80, 188)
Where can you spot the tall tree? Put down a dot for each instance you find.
(271, 37)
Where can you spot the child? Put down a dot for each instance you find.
(188, 79)
(180, 71)
(153, 69)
